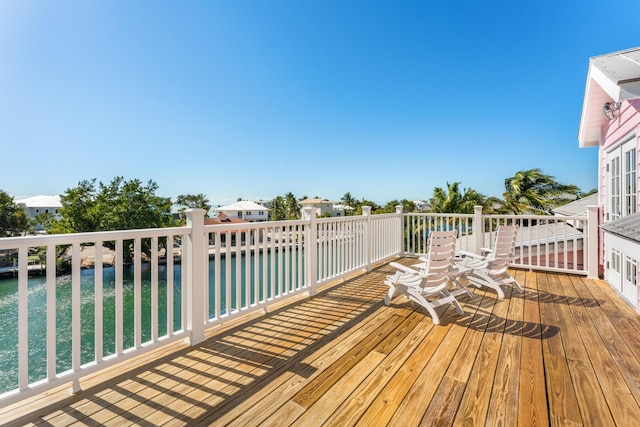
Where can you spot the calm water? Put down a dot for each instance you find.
(38, 319)
(38, 313)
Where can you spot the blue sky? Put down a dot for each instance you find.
(254, 99)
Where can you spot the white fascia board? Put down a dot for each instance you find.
(583, 116)
(609, 86)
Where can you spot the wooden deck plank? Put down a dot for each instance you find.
(503, 403)
(360, 399)
(618, 396)
(532, 399)
(391, 396)
(591, 399)
(622, 352)
(564, 353)
(411, 409)
(327, 404)
(229, 404)
(563, 404)
(260, 405)
(475, 401)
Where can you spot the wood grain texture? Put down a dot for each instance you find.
(564, 352)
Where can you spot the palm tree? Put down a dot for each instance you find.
(348, 200)
(292, 207)
(452, 200)
(532, 191)
(278, 212)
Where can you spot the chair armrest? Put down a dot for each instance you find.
(471, 255)
(404, 268)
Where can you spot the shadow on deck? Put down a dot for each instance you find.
(564, 351)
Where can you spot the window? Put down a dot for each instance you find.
(621, 181)
(615, 260)
(630, 181)
(615, 188)
(631, 271)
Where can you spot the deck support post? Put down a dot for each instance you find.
(197, 260)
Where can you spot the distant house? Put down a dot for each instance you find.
(610, 120)
(37, 205)
(246, 210)
(340, 210)
(422, 206)
(324, 206)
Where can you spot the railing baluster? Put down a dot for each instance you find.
(51, 312)
(23, 318)
(98, 298)
(120, 297)
(137, 293)
(154, 289)
(170, 287)
(217, 266)
(76, 332)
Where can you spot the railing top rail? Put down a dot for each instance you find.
(537, 217)
(233, 226)
(439, 215)
(99, 236)
(341, 218)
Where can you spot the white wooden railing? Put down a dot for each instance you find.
(566, 244)
(224, 271)
(214, 273)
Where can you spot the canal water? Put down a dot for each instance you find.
(37, 312)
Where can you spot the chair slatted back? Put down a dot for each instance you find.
(440, 256)
(504, 248)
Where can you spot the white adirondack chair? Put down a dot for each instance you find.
(490, 268)
(428, 287)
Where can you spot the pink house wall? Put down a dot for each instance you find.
(613, 133)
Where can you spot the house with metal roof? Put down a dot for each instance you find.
(577, 208)
(610, 120)
(38, 205)
(246, 210)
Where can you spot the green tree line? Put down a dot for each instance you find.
(131, 204)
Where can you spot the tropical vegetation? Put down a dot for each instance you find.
(129, 204)
(13, 219)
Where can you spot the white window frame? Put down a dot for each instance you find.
(615, 260)
(631, 270)
(621, 179)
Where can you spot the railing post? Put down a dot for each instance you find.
(478, 229)
(366, 213)
(401, 234)
(311, 248)
(592, 247)
(197, 257)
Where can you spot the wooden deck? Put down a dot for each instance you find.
(563, 353)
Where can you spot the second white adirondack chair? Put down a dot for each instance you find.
(490, 269)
